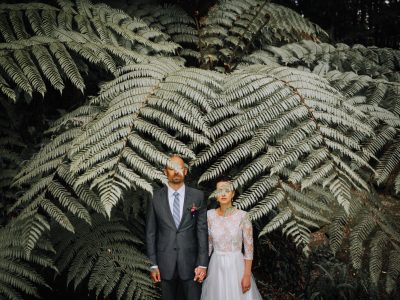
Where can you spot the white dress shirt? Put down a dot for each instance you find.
(171, 199)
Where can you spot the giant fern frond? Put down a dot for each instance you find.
(18, 277)
(371, 234)
(145, 106)
(106, 38)
(108, 24)
(379, 100)
(171, 20)
(376, 98)
(49, 186)
(292, 132)
(320, 58)
(109, 255)
(234, 28)
(288, 26)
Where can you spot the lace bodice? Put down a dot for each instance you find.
(230, 233)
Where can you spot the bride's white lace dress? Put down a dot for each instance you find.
(227, 235)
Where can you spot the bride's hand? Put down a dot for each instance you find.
(245, 283)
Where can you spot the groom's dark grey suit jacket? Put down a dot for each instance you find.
(186, 246)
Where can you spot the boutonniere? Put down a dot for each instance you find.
(193, 210)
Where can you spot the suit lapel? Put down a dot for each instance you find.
(186, 206)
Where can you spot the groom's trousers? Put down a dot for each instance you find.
(178, 289)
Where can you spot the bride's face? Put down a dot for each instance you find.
(225, 196)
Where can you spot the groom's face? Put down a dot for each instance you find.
(176, 176)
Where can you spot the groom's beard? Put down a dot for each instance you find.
(177, 179)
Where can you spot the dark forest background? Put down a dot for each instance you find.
(368, 22)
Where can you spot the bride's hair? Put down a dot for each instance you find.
(224, 178)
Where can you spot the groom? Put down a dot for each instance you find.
(177, 235)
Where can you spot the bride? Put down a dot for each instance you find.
(229, 271)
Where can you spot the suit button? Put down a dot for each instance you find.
(175, 248)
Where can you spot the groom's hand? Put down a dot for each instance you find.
(155, 275)
(199, 274)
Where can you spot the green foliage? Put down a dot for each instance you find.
(328, 278)
(108, 254)
(380, 100)
(42, 43)
(230, 30)
(170, 19)
(18, 274)
(234, 28)
(371, 234)
(320, 58)
(49, 186)
(305, 128)
(289, 142)
(124, 147)
(367, 77)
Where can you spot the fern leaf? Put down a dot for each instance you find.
(15, 73)
(54, 212)
(359, 234)
(107, 255)
(18, 277)
(375, 263)
(60, 193)
(48, 66)
(277, 221)
(388, 163)
(393, 271)
(66, 63)
(255, 192)
(270, 202)
(32, 231)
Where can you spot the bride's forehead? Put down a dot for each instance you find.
(223, 184)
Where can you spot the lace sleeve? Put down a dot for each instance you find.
(247, 229)
(210, 238)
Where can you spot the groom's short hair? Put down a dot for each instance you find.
(173, 154)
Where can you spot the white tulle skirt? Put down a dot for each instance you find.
(224, 277)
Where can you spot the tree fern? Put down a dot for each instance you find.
(285, 107)
(375, 98)
(52, 48)
(371, 234)
(109, 255)
(321, 58)
(108, 24)
(171, 20)
(50, 187)
(240, 24)
(298, 142)
(237, 22)
(288, 26)
(142, 106)
(375, 91)
(284, 143)
(361, 91)
(18, 277)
